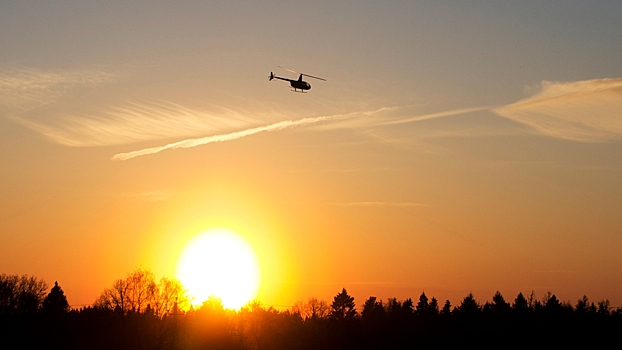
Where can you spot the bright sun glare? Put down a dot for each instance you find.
(221, 263)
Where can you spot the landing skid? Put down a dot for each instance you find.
(300, 92)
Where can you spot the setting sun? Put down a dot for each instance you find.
(221, 263)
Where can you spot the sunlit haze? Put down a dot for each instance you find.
(222, 264)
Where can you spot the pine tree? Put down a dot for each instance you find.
(422, 305)
(520, 303)
(55, 304)
(343, 307)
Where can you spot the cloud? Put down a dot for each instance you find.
(555, 271)
(381, 204)
(46, 102)
(23, 89)
(437, 115)
(52, 103)
(134, 122)
(340, 284)
(239, 134)
(585, 111)
(152, 196)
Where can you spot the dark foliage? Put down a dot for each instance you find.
(34, 323)
(55, 304)
(20, 296)
(343, 307)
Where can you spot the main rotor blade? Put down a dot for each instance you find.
(291, 70)
(306, 75)
(311, 76)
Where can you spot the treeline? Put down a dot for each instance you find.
(138, 312)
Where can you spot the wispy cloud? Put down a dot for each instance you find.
(381, 204)
(239, 134)
(152, 196)
(26, 88)
(45, 102)
(349, 283)
(586, 111)
(555, 271)
(134, 122)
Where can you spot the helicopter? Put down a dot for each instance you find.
(296, 84)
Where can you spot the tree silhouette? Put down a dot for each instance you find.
(552, 305)
(426, 309)
(343, 307)
(130, 294)
(433, 306)
(392, 325)
(422, 305)
(55, 304)
(168, 295)
(313, 309)
(345, 326)
(211, 326)
(498, 309)
(583, 307)
(139, 290)
(394, 308)
(603, 308)
(20, 301)
(499, 302)
(212, 305)
(446, 311)
(520, 303)
(373, 311)
(533, 303)
(20, 295)
(469, 306)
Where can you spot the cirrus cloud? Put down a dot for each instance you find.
(22, 89)
(585, 111)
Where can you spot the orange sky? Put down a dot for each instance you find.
(453, 148)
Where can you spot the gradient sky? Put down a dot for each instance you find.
(456, 147)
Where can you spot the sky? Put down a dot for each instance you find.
(455, 146)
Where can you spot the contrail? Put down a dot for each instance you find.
(238, 134)
(440, 114)
(583, 111)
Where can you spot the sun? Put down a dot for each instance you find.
(220, 263)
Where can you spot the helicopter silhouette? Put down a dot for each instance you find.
(296, 84)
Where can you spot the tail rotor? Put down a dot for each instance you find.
(271, 76)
